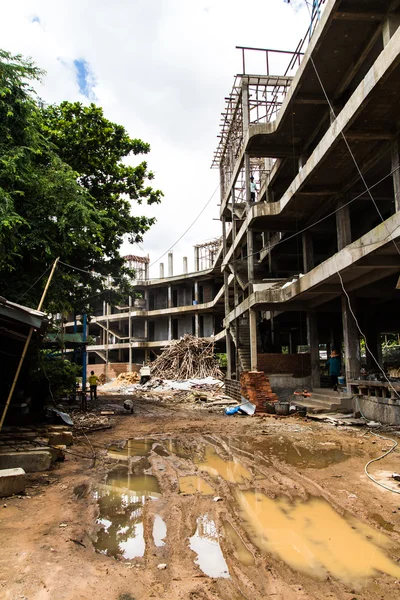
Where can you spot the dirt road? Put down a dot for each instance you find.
(203, 506)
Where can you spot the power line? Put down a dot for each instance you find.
(190, 226)
(347, 143)
(286, 239)
(33, 284)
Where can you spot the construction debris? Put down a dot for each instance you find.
(89, 421)
(129, 378)
(187, 358)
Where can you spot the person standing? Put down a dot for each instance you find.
(93, 379)
(334, 365)
(263, 333)
(253, 189)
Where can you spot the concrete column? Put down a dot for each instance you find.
(185, 264)
(170, 264)
(130, 332)
(170, 328)
(247, 176)
(234, 221)
(226, 293)
(146, 330)
(250, 258)
(313, 344)
(146, 269)
(351, 340)
(196, 259)
(228, 355)
(196, 291)
(389, 28)
(396, 174)
(308, 251)
(196, 325)
(224, 236)
(343, 225)
(147, 355)
(245, 105)
(169, 297)
(161, 270)
(253, 339)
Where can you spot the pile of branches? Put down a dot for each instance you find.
(187, 358)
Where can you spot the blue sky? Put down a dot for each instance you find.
(160, 68)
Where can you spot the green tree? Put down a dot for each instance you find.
(65, 190)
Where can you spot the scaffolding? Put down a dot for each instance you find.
(140, 264)
(205, 254)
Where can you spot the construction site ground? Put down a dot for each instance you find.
(286, 512)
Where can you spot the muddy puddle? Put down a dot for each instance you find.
(313, 538)
(231, 470)
(121, 502)
(192, 484)
(308, 536)
(205, 543)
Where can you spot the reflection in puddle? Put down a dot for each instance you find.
(205, 542)
(230, 470)
(312, 537)
(190, 484)
(121, 501)
(242, 553)
(175, 447)
(159, 531)
(292, 453)
(381, 521)
(140, 447)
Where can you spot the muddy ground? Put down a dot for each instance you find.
(295, 518)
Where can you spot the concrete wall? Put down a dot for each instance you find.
(284, 385)
(208, 325)
(232, 389)
(160, 329)
(137, 328)
(185, 325)
(291, 364)
(383, 410)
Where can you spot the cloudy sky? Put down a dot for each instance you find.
(162, 69)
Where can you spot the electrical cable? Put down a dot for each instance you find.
(33, 284)
(386, 487)
(190, 226)
(359, 329)
(319, 221)
(347, 144)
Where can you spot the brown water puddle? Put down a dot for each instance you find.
(133, 447)
(291, 453)
(205, 543)
(241, 551)
(192, 484)
(121, 501)
(313, 538)
(230, 470)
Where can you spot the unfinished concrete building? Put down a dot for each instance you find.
(316, 251)
(161, 310)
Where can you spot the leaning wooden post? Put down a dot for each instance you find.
(27, 342)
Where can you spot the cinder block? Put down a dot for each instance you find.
(12, 481)
(29, 461)
(60, 438)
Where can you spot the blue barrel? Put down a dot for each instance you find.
(341, 380)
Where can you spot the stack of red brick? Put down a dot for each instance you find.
(257, 388)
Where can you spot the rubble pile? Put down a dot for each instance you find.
(187, 358)
(90, 421)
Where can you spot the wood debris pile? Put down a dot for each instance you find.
(129, 378)
(187, 358)
(90, 421)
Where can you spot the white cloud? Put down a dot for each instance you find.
(162, 69)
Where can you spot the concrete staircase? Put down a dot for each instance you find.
(325, 401)
(244, 346)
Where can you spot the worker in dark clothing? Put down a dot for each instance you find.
(263, 333)
(334, 365)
